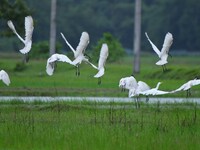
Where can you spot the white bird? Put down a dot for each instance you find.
(163, 54)
(187, 86)
(79, 53)
(102, 60)
(53, 59)
(4, 77)
(135, 92)
(128, 83)
(28, 34)
(141, 87)
(154, 91)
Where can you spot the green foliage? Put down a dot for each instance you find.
(98, 126)
(20, 67)
(115, 48)
(15, 11)
(41, 49)
(34, 81)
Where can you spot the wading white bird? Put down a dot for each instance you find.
(163, 54)
(187, 86)
(51, 62)
(4, 77)
(128, 83)
(28, 34)
(135, 92)
(102, 60)
(154, 91)
(79, 53)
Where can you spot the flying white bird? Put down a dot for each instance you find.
(28, 34)
(163, 54)
(135, 92)
(52, 61)
(187, 86)
(154, 91)
(128, 83)
(79, 53)
(4, 77)
(102, 60)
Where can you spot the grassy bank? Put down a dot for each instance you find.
(88, 125)
(33, 80)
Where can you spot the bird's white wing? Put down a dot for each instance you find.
(28, 34)
(100, 73)
(153, 46)
(51, 62)
(182, 87)
(103, 55)
(154, 92)
(50, 67)
(28, 28)
(26, 48)
(159, 92)
(195, 82)
(84, 41)
(73, 50)
(167, 44)
(60, 57)
(12, 27)
(78, 60)
(102, 60)
(142, 86)
(4, 77)
(87, 61)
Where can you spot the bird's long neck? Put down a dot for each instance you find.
(157, 86)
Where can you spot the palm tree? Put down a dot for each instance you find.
(137, 35)
(52, 47)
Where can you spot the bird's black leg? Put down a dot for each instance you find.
(147, 99)
(188, 93)
(163, 68)
(77, 71)
(26, 57)
(99, 80)
(138, 102)
(170, 55)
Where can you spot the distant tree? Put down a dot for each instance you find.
(15, 11)
(115, 48)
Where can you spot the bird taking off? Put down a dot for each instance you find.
(163, 54)
(51, 62)
(4, 77)
(79, 53)
(28, 34)
(187, 86)
(102, 61)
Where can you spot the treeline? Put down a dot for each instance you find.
(180, 17)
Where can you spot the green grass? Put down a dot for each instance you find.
(86, 125)
(34, 80)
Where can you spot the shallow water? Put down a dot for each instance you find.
(100, 99)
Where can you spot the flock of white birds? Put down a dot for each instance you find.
(79, 52)
(141, 88)
(135, 88)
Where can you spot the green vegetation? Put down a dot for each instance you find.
(116, 51)
(33, 80)
(92, 125)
